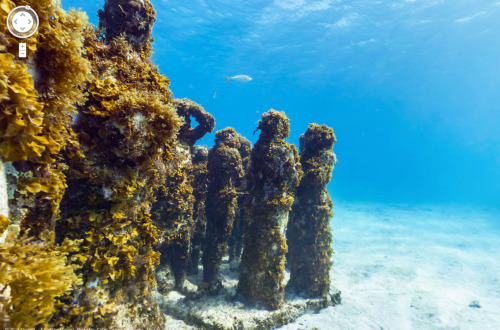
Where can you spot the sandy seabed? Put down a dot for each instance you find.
(413, 268)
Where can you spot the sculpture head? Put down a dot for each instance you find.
(227, 137)
(317, 137)
(135, 19)
(274, 125)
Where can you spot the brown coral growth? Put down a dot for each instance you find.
(172, 213)
(124, 131)
(36, 116)
(33, 274)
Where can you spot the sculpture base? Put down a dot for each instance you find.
(222, 311)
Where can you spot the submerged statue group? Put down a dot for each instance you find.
(105, 185)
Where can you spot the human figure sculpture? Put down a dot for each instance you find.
(224, 172)
(273, 176)
(309, 236)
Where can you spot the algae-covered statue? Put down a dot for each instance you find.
(273, 176)
(86, 124)
(199, 156)
(99, 174)
(173, 209)
(225, 170)
(135, 19)
(172, 213)
(235, 246)
(206, 122)
(308, 235)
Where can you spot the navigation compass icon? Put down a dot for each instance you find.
(22, 22)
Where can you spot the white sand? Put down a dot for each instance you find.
(413, 268)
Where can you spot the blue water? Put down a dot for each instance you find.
(410, 87)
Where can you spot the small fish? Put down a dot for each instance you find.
(215, 95)
(240, 78)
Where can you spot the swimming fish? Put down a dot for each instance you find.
(240, 78)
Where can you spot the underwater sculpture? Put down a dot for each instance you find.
(35, 127)
(199, 156)
(172, 213)
(173, 209)
(235, 246)
(89, 147)
(224, 171)
(89, 140)
(35, 116)
(134, 19)
(125, 130)
(309, 237)
(273, 176)
(206, 122)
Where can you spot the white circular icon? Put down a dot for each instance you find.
(22, 22)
